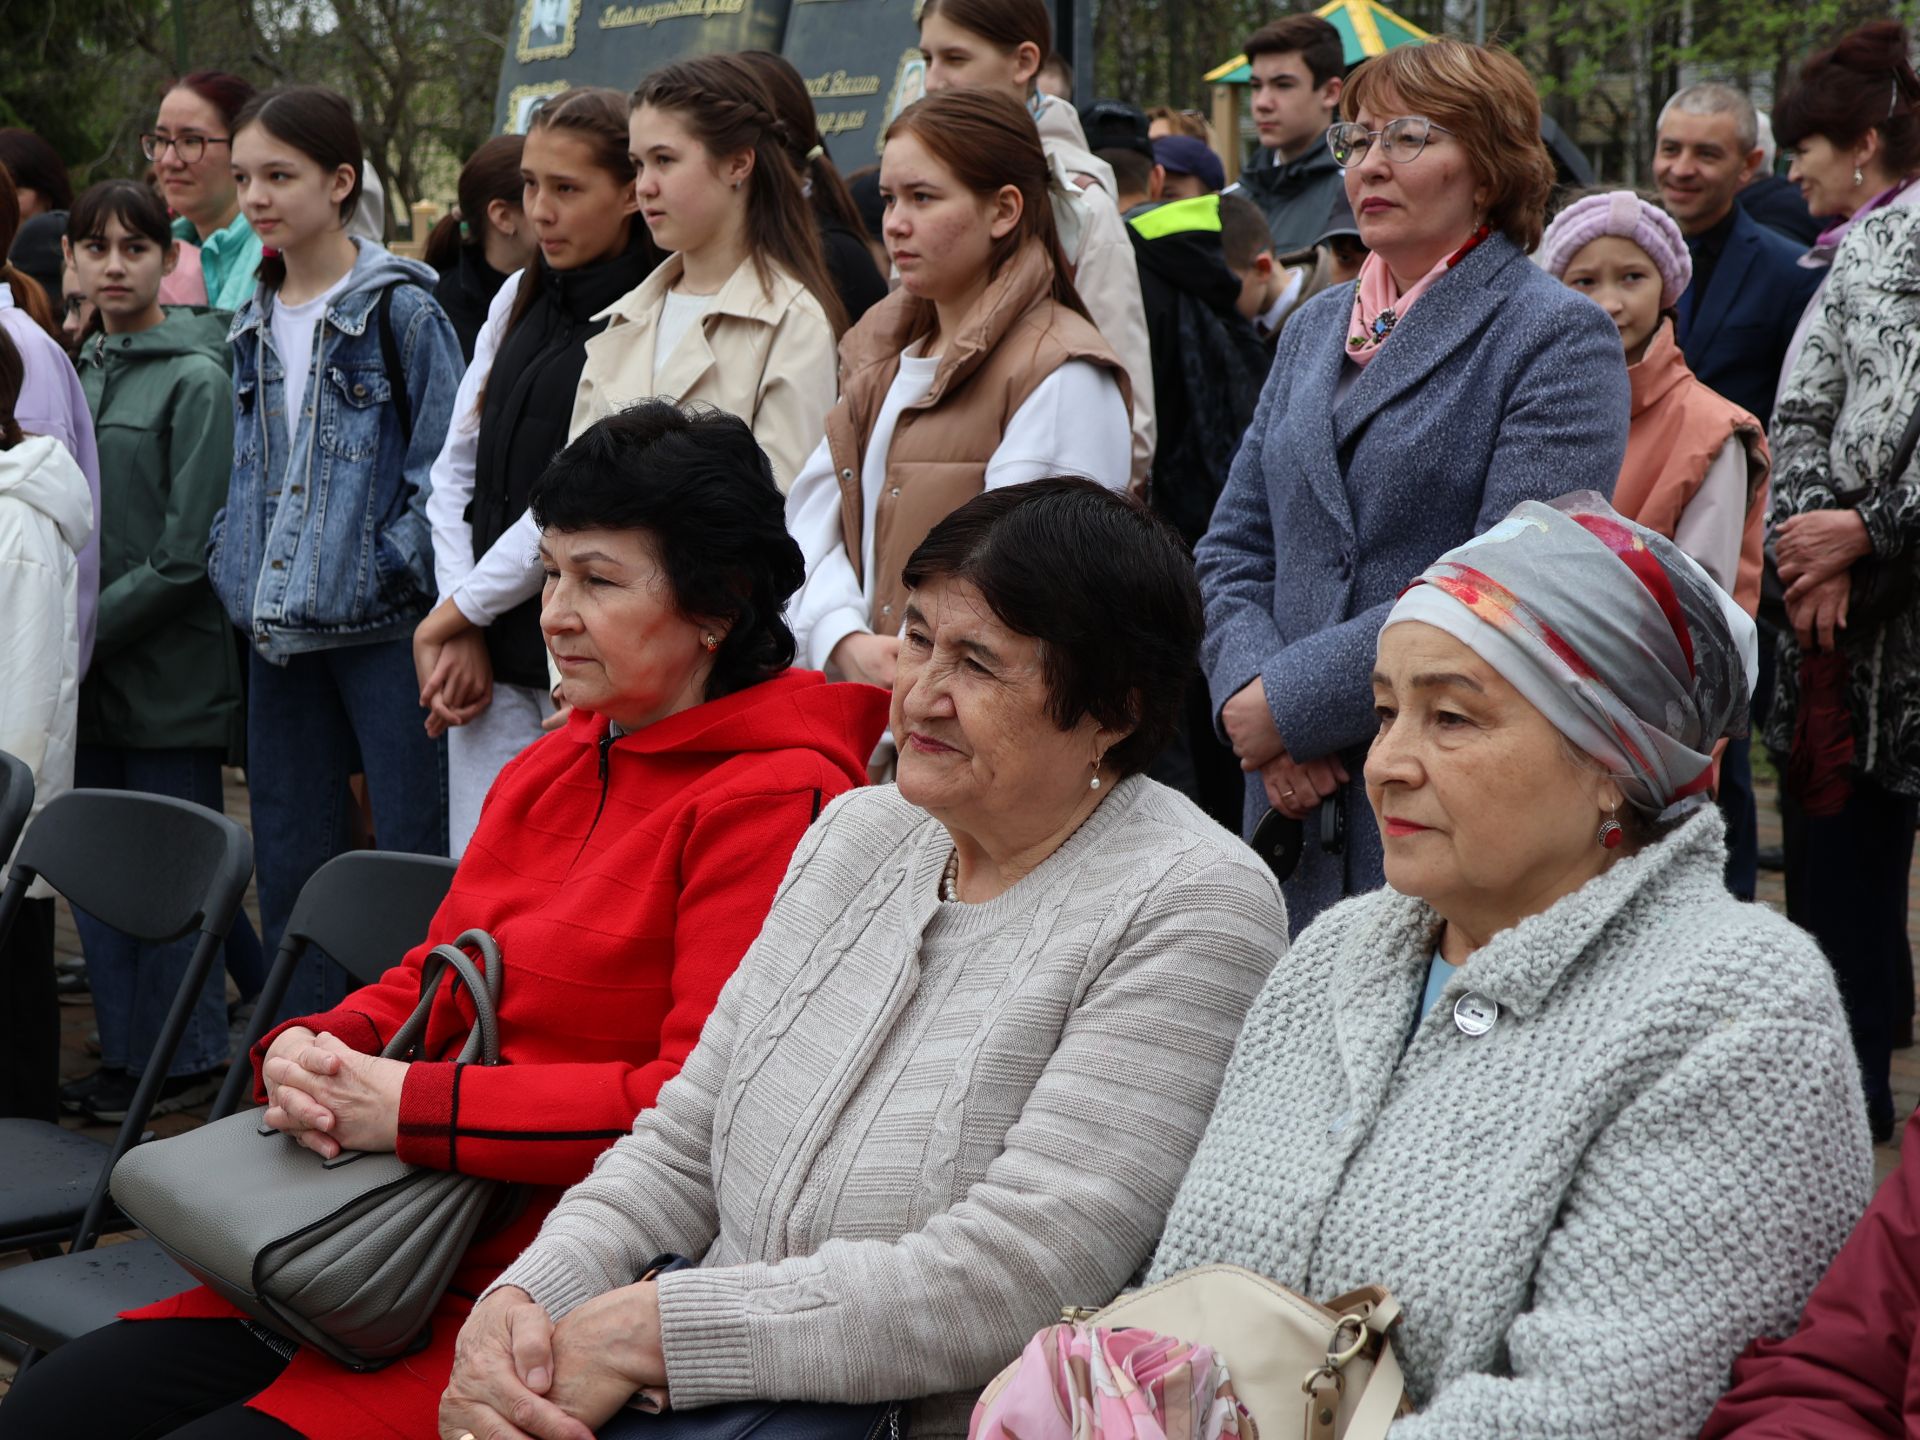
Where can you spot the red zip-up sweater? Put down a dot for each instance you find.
(624, 879)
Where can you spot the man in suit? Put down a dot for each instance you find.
(1735, 321)
(1738, 315)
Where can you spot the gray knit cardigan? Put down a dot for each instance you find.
(911, 1131)
(1589, 1209)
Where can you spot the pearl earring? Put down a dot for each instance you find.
(1859, 177)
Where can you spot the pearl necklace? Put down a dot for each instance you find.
(950, 878)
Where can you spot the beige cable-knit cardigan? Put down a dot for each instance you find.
(911, 1131)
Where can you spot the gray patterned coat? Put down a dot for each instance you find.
(1501, 385)
(1588, 1210)
(1834, 434)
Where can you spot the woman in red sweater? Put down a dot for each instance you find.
(624, 864)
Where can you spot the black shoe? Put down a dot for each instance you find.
(177, 1092)
(72, 988)
(1772, 857)
(75, 1095)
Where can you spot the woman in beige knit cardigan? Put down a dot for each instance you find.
(957, 1079)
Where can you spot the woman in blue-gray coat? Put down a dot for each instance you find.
(1405, 412)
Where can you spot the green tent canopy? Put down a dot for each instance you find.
(1366, 28)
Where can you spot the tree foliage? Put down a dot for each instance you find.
(1603, 66)
(421, 74)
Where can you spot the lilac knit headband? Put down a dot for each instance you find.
(1625, 214)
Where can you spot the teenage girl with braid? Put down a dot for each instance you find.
(743, 314)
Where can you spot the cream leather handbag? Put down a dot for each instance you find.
(1319, 1372)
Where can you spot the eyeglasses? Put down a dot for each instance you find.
(188, 147)
(1401, 141)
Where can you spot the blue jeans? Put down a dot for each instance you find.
(311, 724)
(134, 982)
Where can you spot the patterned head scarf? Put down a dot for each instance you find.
(1624, 643)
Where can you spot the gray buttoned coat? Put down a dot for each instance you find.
(1500, 385)
(1588, 1209)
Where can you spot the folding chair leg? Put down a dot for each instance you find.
(184, 999)
(272, 992)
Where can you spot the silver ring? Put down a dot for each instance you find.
(1289, 794)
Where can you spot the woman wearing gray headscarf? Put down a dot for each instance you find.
(1593, 1121)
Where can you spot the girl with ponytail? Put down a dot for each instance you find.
(1000, 45)
(50, 401)
(843, 236)
(484, 239)
(981, 370)
(344, 369)
(479, 657)
(743, 313)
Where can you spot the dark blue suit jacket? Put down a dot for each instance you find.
(1735, 336)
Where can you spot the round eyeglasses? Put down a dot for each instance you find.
(1401, 141)
(188, 147)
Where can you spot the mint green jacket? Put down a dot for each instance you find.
(228, 258)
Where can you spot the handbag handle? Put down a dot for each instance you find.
(483, 1040)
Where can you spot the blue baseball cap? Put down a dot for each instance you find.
(1185, 155)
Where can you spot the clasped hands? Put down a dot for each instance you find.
(1294, 787)
(451, 663)
(330, 1097)
(1816, 551)
(519, 1376)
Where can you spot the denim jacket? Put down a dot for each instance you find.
(327, 544)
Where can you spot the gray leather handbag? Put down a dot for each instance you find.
(348, 1255)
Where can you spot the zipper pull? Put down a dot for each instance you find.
(606, 746)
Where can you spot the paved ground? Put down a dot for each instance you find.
(77, 1020)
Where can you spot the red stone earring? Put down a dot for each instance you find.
(1612, 833)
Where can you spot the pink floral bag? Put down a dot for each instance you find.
(1082, 1382)
(1256, 1359)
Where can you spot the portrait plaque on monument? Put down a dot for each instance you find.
(554, 44)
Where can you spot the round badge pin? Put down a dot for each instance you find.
(1475, 1014)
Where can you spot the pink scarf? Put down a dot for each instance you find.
(1378, 305)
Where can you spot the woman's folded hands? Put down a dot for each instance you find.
(329, 1096)
(519, 1376)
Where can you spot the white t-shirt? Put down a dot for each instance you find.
(294, 328)
(1074, 423)
(678, 313)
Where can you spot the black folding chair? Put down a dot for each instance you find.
(16, 801)
(365, 909)
(158, 869)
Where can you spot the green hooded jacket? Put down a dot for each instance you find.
(165, 671)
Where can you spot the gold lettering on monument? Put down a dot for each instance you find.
(616, 16)
(841, 122)
(839, 85)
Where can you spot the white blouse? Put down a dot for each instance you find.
(1074, 423)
